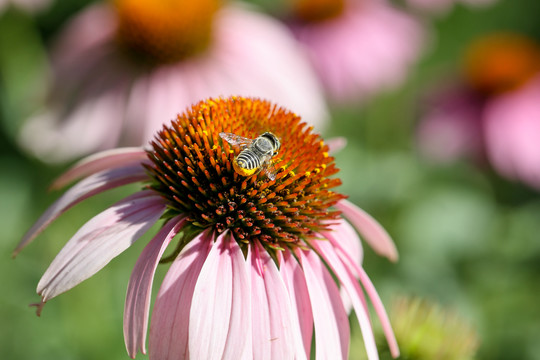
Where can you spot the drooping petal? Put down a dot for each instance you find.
(273, 336)
(349, 240)
(332, 332)
(86, 188)
(260, 314)
(220, 302)
(353, 290)
(373, 296)
(239, 347)
(108, 159)
(299, 296)
(169, 328)
(100, 240)
(140, 287)
(373, 233)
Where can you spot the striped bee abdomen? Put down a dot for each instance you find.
(248, 160)
(257, 154)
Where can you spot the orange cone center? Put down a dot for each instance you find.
(502, 62)
(165, 31)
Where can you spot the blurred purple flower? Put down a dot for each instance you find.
(451, 127)
(119, 74)
(360, 47)
(494, 114)
(259, 263)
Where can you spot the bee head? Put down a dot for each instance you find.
(276, 144)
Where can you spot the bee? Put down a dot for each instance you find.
(256, 154)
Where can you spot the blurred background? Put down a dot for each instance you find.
(441, 113)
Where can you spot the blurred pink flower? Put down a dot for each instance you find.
(495, 114)
(444, 6)
(512, 132)
(26, 5)
(253, 277)
(451, 126)
(366, 48)
(104, 95)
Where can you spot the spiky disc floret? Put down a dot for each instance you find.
(193, 169)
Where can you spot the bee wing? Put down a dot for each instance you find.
(269, 168)
(234, 139)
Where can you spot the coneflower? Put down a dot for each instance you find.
(122, 68)
(492, 114)
(358, 48)
(257, 265)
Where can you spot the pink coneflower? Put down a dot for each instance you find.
(357, 47)
(259, 263)
(493, 114)
(122, 69)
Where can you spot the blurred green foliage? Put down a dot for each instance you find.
(467, 239)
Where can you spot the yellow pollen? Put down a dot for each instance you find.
(501, 62)
(165, 31)
(318, 10)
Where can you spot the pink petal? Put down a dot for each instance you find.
(272, 324)
(260, 313)
(299, 296)
(169, 329)
(353, 290)
(57, 135)
(331, 321)
(99, 241)
(88, 187)
(373, 233)
(104, 160)
(349, 240)
(220, 311)
(336, 144)
(140, 287)
(373, 296)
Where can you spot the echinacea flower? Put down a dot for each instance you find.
(258, 263)
(121, 69)
(358, 48)
(494, 113)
